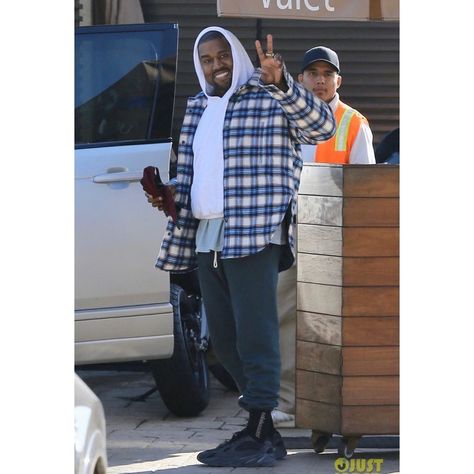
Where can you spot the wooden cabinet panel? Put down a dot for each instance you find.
(371, 301)
(379, 390)
(370, 271)
(320, 239)
(347, 353)
(316, 357)
(324, 299)
(366, 242)
(319, 387)
(371, 331)
(323, 269)
(323, 328)
(322, 180)
(358, 420)
(324, 416)
(370, 360)
(320, 210)
(379, 181)
(367, 212)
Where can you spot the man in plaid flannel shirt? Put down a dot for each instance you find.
(239, 165)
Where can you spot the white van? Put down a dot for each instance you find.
(126, 310)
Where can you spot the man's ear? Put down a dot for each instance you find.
(300, 77)
(339, 81)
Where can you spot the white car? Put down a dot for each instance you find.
(126, 310)
(90, 455)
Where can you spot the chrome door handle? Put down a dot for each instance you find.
(120, 177)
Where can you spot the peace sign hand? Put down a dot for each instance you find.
(271, 65)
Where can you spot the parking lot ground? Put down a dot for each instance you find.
(144, 437)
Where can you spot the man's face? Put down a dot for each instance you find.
(217, 64)
(321, 79)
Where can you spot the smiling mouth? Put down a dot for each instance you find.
(221, 75)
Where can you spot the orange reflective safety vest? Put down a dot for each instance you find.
(338, 148)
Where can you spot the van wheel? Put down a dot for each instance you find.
(223, 377)
(183, 380)
(219, 372)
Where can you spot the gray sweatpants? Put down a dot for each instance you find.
(241, 306)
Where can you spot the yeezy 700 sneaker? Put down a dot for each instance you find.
(275, 438)
(242, 450)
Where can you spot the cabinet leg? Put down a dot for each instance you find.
(347, 446)
(320, 440)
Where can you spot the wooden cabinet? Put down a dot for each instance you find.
(347, 357)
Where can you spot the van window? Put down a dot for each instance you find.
(124, 84)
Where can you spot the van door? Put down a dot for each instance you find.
(124, 98)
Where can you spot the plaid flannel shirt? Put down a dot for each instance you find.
(263, 130)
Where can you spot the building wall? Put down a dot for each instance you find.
(368, 52)
(83, 12)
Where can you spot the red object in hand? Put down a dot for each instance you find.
(153, 185)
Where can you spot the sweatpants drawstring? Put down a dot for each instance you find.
(215, 259)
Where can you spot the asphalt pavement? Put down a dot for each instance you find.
(143, 437)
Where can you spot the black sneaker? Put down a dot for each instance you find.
(210, 452)
(278, 445)
(242, 451)
(276, 440)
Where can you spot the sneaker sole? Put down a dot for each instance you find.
(260, 460)
(279, 453)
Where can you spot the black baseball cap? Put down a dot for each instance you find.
(320, 53)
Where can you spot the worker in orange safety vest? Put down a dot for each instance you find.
(352, 143)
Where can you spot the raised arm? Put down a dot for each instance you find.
(311, 119)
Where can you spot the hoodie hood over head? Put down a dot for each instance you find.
(243, 67)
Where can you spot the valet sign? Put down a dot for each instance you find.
(312, 9)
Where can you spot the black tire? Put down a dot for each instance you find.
(221, 374)
(183, 380)
(218, 370)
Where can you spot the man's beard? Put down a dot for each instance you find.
(219, 90)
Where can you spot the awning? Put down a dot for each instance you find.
(388, 10)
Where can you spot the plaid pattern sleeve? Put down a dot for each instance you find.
(177, 249)
(311, 120)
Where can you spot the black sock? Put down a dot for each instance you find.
(260, 424)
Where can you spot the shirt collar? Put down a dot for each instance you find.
(334, 103)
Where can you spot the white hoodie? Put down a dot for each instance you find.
(207, 191)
